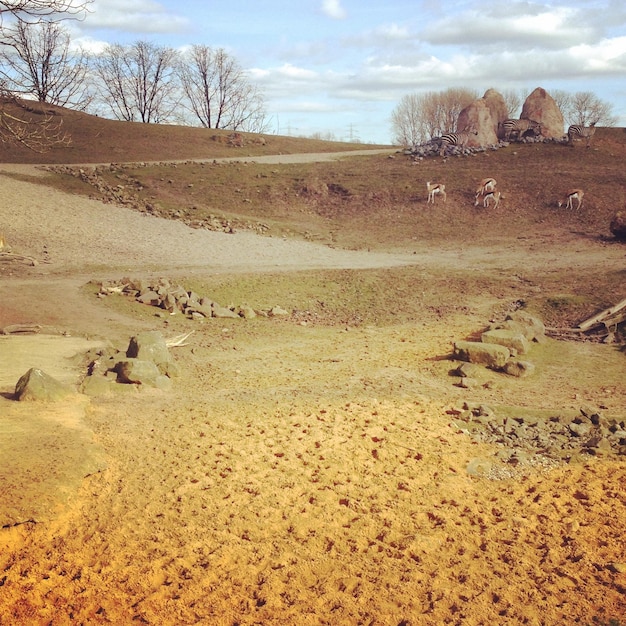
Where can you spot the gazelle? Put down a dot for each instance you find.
(435, 189)
(486, 185)
(573, 194)
(492, 195)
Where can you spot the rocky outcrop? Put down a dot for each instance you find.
(541, 107)
(477, 116)
(484, 116)
(500, 346)
(146, 362)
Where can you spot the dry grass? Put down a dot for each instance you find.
(98, 140)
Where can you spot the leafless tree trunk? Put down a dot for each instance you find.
(36, 61)
(138, 82)
(218, 92)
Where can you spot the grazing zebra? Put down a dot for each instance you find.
(519, 128)
(455, 139)
(578, 131)
(570, 196)
(435, 189)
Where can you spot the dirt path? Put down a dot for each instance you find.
(295, 475)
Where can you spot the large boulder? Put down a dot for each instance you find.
(497, 106)
(478, 116)
(541, 107)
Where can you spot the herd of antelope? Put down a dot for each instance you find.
(486, 190)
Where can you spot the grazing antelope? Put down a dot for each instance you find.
(486, 185)
(573, 194)
(578, 131)
(435, 189)
(492, 195)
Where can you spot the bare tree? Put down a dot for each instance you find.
(514, 99)
(138, 82)
(218, 91)
(418, 117)
(587, 108)
(18, 122)
(37, 61)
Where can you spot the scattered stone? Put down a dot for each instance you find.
(176, 299)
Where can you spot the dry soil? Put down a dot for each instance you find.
(295, 474)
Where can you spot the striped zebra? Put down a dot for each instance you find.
(460, 139)
(578, 131)
(519, 128)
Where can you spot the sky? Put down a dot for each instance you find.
(339, 68)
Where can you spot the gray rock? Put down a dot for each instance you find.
(510, 339)
(520, 369)
(139, 372)
(149, 346)
(490, 355)
(36, 385)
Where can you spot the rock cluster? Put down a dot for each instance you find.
(173, 298)
(558, 436)
(501, 347)
(147, 361)
(485, 116)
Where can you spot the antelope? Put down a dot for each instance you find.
(492, 195)
(435, 189)
(486, 185)
(573, 194)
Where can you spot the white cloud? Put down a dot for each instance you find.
(527, 25)
(333, 9)
(137, 16)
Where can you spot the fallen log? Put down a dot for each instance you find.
(599, 317)
(10, 256)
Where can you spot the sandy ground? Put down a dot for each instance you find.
(310, 479)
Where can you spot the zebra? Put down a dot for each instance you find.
(578, 131)
(455, 139)
(520, 127)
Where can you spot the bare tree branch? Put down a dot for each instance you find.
(218, 91)
(36, 129)
(138, 82)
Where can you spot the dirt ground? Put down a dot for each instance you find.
(296, 473)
